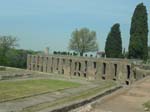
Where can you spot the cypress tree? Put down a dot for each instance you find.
(138, 46)
(113, 46)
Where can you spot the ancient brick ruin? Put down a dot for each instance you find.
(91, 68)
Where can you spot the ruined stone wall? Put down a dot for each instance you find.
(89, 68)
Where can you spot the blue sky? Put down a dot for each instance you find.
(42, 23)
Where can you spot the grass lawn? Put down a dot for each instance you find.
(16, 89)
(81, 95)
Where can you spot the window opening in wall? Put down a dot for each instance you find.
(85, 75)
(57, 63)
(128, 72)
(33, 67)
(103, 78)
(104, 68)
(127, 82)
(52, 61)
(79, 66)
(94, 63)
(114, 79)
(62, 71)
(78, 74)
(38, 67)
(46, 60)
(115, 65)
(85, 66)
(70, 63)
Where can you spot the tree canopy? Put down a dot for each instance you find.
(83, 41)
(138, 46)
(6, 43)
(18, 57)
(113, 46)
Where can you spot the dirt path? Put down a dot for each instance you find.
(126, 100)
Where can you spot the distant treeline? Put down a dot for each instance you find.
(17, 58)
(65, 53)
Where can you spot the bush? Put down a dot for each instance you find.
(2, 68)
(147, 105)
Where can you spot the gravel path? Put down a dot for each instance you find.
(130, 99)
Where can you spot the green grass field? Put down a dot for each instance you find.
(16, 89)
(80, 96)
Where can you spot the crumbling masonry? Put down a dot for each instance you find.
(121, 70)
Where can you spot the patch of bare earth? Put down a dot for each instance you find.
(128, 99)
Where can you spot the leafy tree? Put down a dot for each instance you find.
(138, 46)
(83, 41)
(9, 56)
(6, 43)
(113, 46)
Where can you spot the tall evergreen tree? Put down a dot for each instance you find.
(113, 46)
(138, 46)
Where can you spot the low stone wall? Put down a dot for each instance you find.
(7, 77)
(141, 72)
(88, 68)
